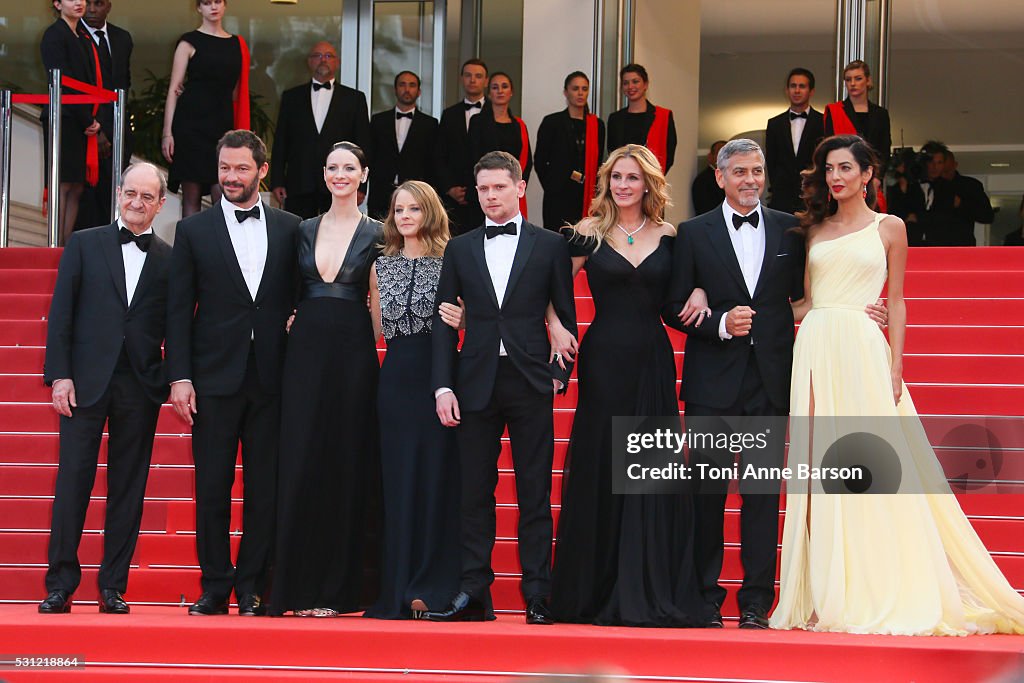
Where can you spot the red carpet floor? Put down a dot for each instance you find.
(965, 357)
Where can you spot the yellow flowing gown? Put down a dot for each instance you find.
(905, 563)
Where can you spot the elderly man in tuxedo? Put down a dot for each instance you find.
(114, 46)
(104, 362)
(403, 140)
(232, 288)
(790, 139)
(313, 116)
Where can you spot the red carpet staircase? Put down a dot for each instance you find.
(965, 357)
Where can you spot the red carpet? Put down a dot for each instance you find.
(965, 356)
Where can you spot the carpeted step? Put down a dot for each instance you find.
(22, 332)
(27, 280)
(24, 306)
(30, 257)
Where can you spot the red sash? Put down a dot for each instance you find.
(92, 145)
(841, 123)
(657, 136)
(590, 156)
(242, 98)
(524, 157)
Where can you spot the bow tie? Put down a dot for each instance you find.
(495, 230)
(254, 212)
(474, 105)
(124, 236)
(738, 220)
(325, 86)
(794, 115)
(400, 115)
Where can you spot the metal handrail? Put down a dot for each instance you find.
(53, 199)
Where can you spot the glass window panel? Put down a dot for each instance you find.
(403, 40)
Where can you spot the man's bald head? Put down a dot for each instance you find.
(323, 61)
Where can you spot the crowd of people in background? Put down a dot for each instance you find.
(269, 320)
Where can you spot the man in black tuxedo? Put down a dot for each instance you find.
(403, 141)
(790, 139)
(739, 357)
(455, 181)
(705, 191)
(104, 362)
(232, 288)
(313, 116)
(114, 46)
(506, 272)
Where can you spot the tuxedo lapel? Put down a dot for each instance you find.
(719, 236)
(772, 240)
(146, 276)
(112, 253)
(306, 107)
(476, 246)
(527, 240)
(333, 107)
(220, 231)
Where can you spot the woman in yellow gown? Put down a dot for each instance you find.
(893, 563)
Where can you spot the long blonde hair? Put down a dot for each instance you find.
(434, 231)
(604, 214)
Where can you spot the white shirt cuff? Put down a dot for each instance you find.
(722, 334)
(438, 393)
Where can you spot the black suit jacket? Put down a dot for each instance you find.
(120, 76)
(90, 319)
(454, 158)
(541, 272)
(210, 313)
(299, 151)
(63, 49)
(414, 162)
(876, 131)
(704, 257)
(555, 160)
(619, 132)
(783, 165)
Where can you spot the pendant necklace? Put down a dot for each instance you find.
(628, 234)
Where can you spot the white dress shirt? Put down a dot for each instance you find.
(95, 39)
(249, 240)
(470, 113)
(748, 243)
(134, 260)
(796, 129)
(402, 126)
(500, 252)
(321, 101)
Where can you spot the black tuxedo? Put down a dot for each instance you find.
(558, 156)
(743, 376)
(111, 350)
(299, 151)
(783, 165)
(455, 162)
(232, 349)
(414, 162)
(117, 74)
(875, 127)
(513, 391)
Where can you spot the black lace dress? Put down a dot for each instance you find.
(419, 463)
(623, 559)
(328, 476)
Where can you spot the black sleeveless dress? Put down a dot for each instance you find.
(623, 560)
(328, 474)
(205, 110)
(419, 463)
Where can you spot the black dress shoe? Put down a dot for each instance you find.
(251, 605)
(754, 616)
(461, 608)
(57, 602)
(537, 612)
(209, 604)
(715, 620)
(112, 602)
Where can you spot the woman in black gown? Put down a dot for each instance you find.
(66, 46)
(562, 155)
(199, 108)
(419, 463)
(623, 559)
(640, 122)
(329, 460)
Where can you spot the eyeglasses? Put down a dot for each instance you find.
(132, 195)
(317, 56)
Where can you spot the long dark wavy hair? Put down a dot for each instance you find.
(816, 195)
